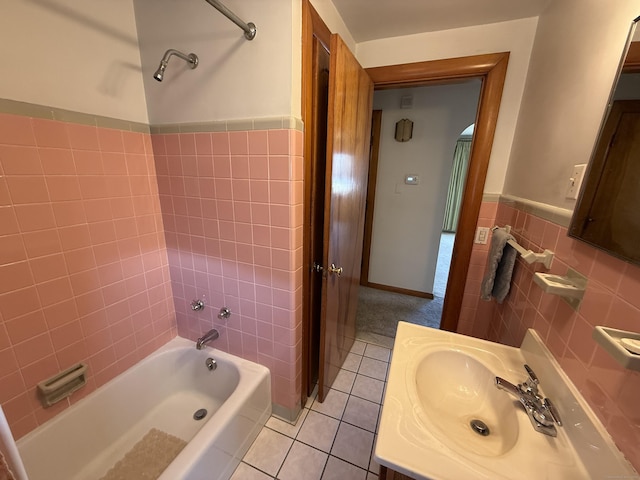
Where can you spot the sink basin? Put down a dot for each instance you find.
(444, 419)
(454, 390)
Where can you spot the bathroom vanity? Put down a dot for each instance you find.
(444, 417)
(388, 474)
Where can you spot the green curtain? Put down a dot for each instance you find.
(456, 184)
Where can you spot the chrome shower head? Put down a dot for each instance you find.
(191, 59)
(159, 75)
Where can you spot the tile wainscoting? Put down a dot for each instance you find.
(85, 270)
(84, 274)
(612, 299)
(232, 209)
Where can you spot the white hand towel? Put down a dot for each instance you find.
(500, 263)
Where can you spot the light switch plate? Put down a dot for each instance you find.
(411, 179)
(575, 182)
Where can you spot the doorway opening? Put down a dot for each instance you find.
(415, 187)
(461, 156)
(491, 69)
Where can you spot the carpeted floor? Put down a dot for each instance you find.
(379, 311)
(443, 264)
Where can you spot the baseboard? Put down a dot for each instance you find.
(404, 291)
(289, 415)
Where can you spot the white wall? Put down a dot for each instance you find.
(236, 78)
(329, 14)
(577, 48)
(79, 55)
(408, 219)
(514, 36)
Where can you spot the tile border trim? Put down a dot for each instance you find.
(267, 123)
(15, 107)
(557, 215)
(491, 197)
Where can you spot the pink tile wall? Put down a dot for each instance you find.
(232, 209)
(612, 299)
(476, 314)
(83, 267)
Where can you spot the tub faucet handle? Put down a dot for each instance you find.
(224, 313)
(197, 305)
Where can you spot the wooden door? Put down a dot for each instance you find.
(348, 134)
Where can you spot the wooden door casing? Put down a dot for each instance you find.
(376, 125)
(316, 40)
(317, 183)
(348, 134)
(492, 69)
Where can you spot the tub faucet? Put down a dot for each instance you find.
(541, 412)
(207, 337)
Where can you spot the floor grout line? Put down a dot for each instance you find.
(340, 421)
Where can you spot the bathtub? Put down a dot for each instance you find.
(163, 391)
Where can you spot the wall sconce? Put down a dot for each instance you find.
(404, 130)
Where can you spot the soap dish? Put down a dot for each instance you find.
(610, 340)
(570, 287)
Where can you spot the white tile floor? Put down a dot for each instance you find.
(332, 440)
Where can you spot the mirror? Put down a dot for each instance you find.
(607, 214)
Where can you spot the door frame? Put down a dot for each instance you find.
(312, 26)
(376, 124)
(491, 69)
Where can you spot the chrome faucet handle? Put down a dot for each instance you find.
(531, 383)
(541, 413)
(197, 305)
(553, 411)
(507, 386)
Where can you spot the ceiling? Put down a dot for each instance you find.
(372, 19)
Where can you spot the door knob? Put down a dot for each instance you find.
(334, 269)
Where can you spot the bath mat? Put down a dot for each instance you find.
(148, 458)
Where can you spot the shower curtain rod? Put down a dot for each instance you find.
(249, 28)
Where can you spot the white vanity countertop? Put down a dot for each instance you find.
(439, 380)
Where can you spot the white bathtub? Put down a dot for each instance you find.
(163, 391)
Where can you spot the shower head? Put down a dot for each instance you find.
(159, 75)
(191, 59)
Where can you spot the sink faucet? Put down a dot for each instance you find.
(207, 337)
(542, 413)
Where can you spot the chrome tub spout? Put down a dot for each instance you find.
(207, 337)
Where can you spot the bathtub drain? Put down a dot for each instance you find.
(200, 414)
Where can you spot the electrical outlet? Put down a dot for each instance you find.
(482, 235)
(575, 182)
